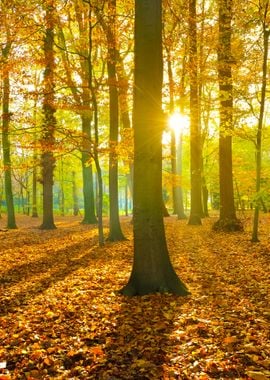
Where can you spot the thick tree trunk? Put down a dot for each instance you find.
(227, 218)
(49, 122)
(152, 270)
(11, 223)
(195, 133)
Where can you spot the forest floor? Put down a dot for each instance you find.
(62, 318)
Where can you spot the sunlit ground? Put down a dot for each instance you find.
(61, 316)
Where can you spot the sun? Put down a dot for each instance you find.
(179, 123)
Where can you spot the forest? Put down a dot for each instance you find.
(134, 190)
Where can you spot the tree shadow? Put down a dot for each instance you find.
(52, 267)
(20, 237)
(138, 345)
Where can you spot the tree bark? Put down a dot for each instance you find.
(115, 232)
(195, 133)
(83, 101)
(49, 122)
(87, 171)
(11, 223)
(34, 188)
(152, 269)
(227, 218)
(176, 154)
(96, 135)
(266, 34)
(76, 208)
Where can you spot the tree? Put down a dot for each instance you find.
(152, 270)
(35, 157)
(227, 218)
(49, 121)
(92, 80)
(115, 233)
(195, 134)
(118, 104)
(87, 167)
(176, 134)
(76, 208)
(266, 34)
(70, 52)
(6, 49)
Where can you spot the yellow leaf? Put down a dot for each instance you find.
(168, 315)
(257, 375)
(50, 314)
(140, 363)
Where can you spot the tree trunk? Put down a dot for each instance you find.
(176, 154)
(35, 160)
(61, 188)
(87, 171)
(82, 101)
(115, 233)
(126, 196)
(76, 209)
(11, 223)
(96, 141)
(152, 270)
(178, 189)
(127, 133)
(34, 189)
(227, 218)
(49, 122)
(1, 198)
(195, 134)
(205, 194)
(62, 200)
(266, 34)
(117, 67)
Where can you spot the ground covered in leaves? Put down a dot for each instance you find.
(61, 316)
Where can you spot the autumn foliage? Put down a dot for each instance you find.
(62, 318)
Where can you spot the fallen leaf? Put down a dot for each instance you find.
(257, 375)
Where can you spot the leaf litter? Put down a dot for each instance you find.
(62, 318)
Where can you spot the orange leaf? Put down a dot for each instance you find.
(48, 362)
(229, 339)
(97, 350)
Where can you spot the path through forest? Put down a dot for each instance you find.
(61, 317)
